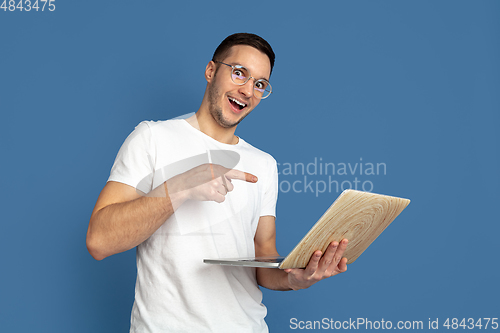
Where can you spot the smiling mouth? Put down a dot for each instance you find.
(236, 104)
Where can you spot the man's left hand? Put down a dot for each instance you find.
(319, 267)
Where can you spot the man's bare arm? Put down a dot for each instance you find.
(265, 245)
(320, 266)
(123, 218)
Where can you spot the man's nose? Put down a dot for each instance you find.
(247, 88)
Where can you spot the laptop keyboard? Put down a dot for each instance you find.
(273, 260)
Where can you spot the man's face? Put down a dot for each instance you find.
(229, 103)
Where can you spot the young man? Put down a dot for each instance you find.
(185, 190)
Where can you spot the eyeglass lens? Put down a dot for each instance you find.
(240, 75)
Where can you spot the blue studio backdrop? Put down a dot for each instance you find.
(401, 97)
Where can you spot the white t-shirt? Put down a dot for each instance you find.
(175, 291)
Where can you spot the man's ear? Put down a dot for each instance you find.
(210, 71)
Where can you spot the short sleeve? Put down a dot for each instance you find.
(270, 195)
(134, 164)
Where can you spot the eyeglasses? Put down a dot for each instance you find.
(240, 75)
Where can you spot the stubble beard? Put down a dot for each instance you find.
(215, 109)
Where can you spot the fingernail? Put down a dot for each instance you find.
(254, 179)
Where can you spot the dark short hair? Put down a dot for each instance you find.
(243, 38)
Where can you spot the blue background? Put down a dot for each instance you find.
(412, 84)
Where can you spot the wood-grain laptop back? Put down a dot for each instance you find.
(357, 216)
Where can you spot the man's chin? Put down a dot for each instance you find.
(226, 123)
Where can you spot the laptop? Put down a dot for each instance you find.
(355, 215)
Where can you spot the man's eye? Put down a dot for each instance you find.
(260, 85)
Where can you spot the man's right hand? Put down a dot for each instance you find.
(207, 182)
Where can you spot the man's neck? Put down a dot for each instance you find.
(204, 122)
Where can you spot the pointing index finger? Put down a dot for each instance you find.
(237, 174)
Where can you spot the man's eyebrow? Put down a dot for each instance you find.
(238, 64)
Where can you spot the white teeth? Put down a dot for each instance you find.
(237, 102)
